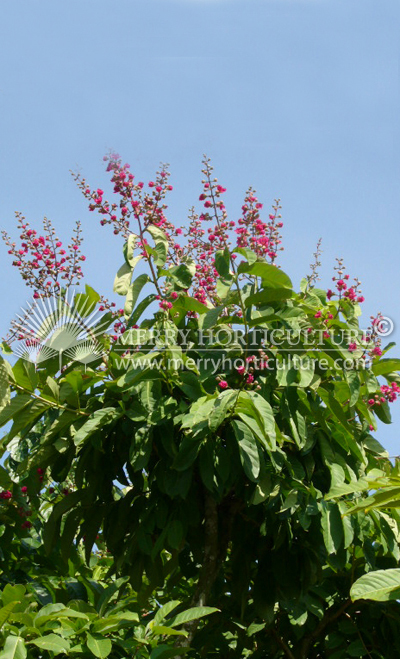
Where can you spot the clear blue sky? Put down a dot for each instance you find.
(298, 98)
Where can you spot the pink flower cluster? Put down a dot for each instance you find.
(144, 204)
(6, 494)
(372, 338)
(389, 394)
(344, 291)
(247, 371)
(41, 259)
(325, 318)
(263, 238)
(207, 233)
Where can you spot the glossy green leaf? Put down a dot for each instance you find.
(248, 449)
(194, 613)
(222, 262)
(133, 293)
(332, 527)
(385, 366)
(379, 585)
(271, 276)
(122, 279)
(14, 648)
(129, 248)
(97, 420)
(52, 642)
(5, 612)
(98, 645)
(15, 406)
(182, 274)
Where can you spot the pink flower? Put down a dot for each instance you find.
(318, 314)
(223, 384)
(352, 347)
(241, 370)
(174, 295)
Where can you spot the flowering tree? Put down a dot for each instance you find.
(213, 448)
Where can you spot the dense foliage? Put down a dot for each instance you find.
(213, 459)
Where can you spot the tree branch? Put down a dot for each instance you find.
(283, 645)
(329, 617)
(210, 566)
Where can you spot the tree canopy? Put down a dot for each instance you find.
(197, 473)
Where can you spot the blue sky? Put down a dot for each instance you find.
(297, 98)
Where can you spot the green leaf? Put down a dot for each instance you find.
(6, 348)
(248, 449)
(388, 497)
(222, 262)
(190, 614)
(5, 612)
(223, 287)
(161, 244)
(165, 610)
(128, 250)
(25, 374)
(354, 385)
(108, 593)
(141, 307)
(99, 646)
(181, 274)
(186, 303)
(250, 256)
(332, 526)
(122, 279)
(27, 417)
(161, 630)
(385, 366)
(211, 317)
(133, 293)
(5, 480)
(52, 642)
(257, 413)
(175, 533)
(15, 406)
(222, 405)
(97, 420)
(271, 276)
(14, 648)
(13, 593)
(267, 295)
(84, 303)
(380, 586)
(4, 385)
